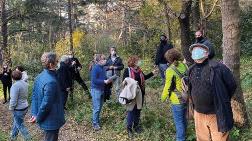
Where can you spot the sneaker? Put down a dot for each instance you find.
(130, 134)
(97, 128)
(138, 130)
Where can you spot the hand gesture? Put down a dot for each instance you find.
(155, 71)
(68, 89)
(32, 120)
(107, 81)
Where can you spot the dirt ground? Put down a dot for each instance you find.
(71, 131)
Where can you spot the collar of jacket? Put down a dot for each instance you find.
(53, 72)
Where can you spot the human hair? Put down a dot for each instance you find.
(20, 68)
(16, 75)
(163, 36)
(113, 47)
(99, 57)
(64, 58)
(48, 58)
(132, 60)
(173, 56)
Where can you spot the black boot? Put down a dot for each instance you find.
(138, 129)
(130, 133)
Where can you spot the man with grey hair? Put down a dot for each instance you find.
(47, 107)
(64, 77)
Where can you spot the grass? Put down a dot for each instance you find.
(3, 136)
(156, 117)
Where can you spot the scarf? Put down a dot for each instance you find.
(132, 72)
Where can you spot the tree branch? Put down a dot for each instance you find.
(211, 11)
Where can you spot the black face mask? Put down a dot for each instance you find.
(198, 39)
(163, 41)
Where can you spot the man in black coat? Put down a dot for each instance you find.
(113, 67)
(211, 87)
(75, 67)
(64, 77)
(199, 38)
(160, 60)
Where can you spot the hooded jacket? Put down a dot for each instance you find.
(206, 42)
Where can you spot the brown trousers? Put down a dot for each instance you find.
(207, 129)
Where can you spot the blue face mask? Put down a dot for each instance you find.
(198, 53)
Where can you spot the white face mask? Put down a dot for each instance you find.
(113, 53)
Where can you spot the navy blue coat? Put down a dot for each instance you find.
(47, 104)
(117, 63)
(160, 54)
(224, 86)
(98, 75)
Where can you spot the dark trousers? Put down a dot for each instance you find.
(5, 88)
(65, 96)
(51, 135)
(81, 82)
(133, 118)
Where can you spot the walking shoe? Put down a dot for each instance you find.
(138, 130)
(97, 128)
(130, 134)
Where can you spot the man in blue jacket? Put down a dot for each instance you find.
(47, 107)
(98, 81)
(211, 87)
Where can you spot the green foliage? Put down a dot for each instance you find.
(246, 34)
(3, 136)
(246, 74)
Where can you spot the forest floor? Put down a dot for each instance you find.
(70, 131)
(156, 117)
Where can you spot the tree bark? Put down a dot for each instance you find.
(184, 20)
(70, 26)
(4, 34)
(231, 54)
(195, 15)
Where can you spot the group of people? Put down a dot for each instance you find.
(208, 84)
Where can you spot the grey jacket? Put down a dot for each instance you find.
(18, 95)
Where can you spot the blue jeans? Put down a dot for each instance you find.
(162, 69)
(18, 125)
(97, 99)
(179, 116)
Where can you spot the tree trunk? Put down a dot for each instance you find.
(4, 32)
(169, 36)
(185, 30)
(231, 54)
(70, 26)
(195, 15)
